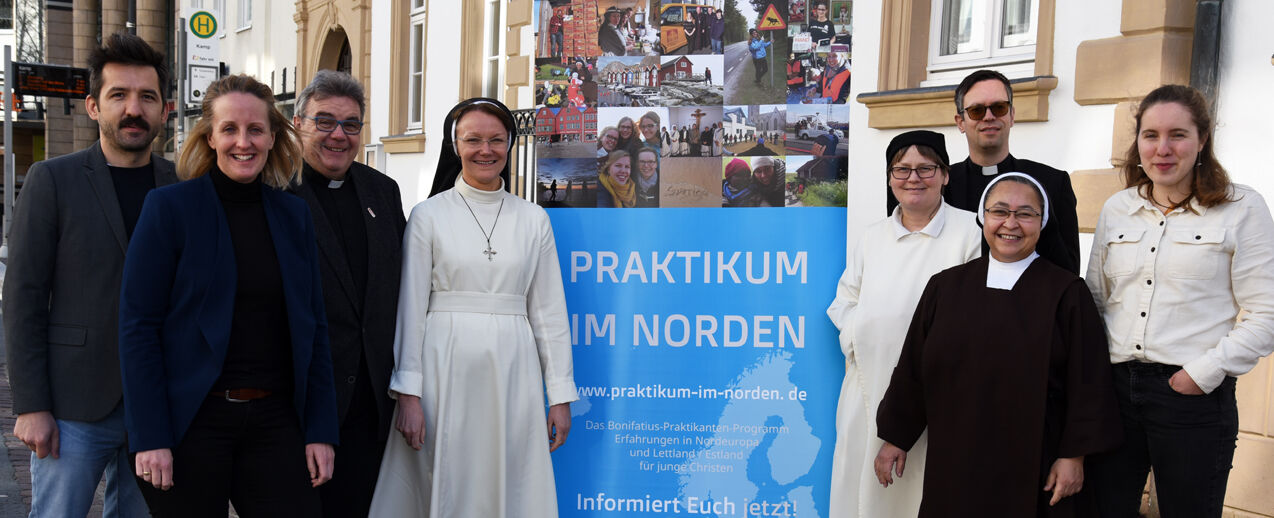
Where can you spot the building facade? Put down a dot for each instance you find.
(569, 123)
(680, 69)
(437, 53)
(1077, 67)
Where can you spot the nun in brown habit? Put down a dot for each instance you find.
(1005, 363)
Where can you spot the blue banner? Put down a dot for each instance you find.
(707, 367)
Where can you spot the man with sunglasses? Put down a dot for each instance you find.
(358, 223)
(984, 114)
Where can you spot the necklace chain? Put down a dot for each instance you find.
(489, 252)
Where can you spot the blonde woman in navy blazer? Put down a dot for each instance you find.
(227, 375)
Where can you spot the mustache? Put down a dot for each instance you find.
(134, 122)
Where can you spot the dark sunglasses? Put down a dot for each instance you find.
(998, 109)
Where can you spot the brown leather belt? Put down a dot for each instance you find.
(241, 395)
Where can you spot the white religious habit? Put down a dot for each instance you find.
(874, 303)
(482, 337)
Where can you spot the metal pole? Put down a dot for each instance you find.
(131, 25)
(181, 85)
(10, 176)
(770, 72)
(1205, 55)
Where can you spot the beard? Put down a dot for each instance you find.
(126, 143)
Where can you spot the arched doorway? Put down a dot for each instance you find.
(335, 53)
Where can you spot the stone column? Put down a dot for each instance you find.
(86, 37)
(152, 23)
(59, 137)
(153, 26)
(114, 16)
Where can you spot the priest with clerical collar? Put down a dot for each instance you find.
(984, 114)
(358, 222)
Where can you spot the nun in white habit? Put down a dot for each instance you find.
(875, 300)
(481, 342)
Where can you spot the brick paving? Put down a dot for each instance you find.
(15, 470)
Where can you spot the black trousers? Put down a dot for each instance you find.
(357, 465)
(251, 454)
(1188, 440)
(762, 67)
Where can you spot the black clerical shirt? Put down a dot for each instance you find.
(344, 212)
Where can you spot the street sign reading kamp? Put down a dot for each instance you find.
(771, 21)
(203, 53)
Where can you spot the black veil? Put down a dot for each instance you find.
(449, 161)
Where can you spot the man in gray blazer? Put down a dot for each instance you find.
(358, 222)
(61, 298)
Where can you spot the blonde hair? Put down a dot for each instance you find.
(283, 161)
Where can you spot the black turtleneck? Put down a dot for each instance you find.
(260, 352)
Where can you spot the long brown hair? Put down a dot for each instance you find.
(283, 162)
(1210, 185)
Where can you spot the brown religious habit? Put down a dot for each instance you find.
(1006, 382)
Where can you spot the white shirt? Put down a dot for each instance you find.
(1170, 286)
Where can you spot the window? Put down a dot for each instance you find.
(6, 15)
(673, 15)
(219, 7)
(416, 66)
(971, 34)
(245, 14)
(492, 74)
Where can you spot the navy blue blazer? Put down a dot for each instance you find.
(177, 301)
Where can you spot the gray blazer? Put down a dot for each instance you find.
(368, 332)
(61, 290)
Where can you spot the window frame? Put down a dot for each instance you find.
(243, 15)
(1014, 62)
(418, 18)
(493, 45)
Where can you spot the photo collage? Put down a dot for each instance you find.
(693, 103)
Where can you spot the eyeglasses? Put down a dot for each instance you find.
(902, 172)
(1022, 215)
(497, 143)
(998, 109)
(328, 125)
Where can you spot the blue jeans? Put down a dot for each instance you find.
(1187, 440)
(716, 46)
(555, 44)
(65, 486)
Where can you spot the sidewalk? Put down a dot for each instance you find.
(15, 458)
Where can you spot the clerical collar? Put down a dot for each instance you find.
(993, 169)
(1003, 276)
(316, 178)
